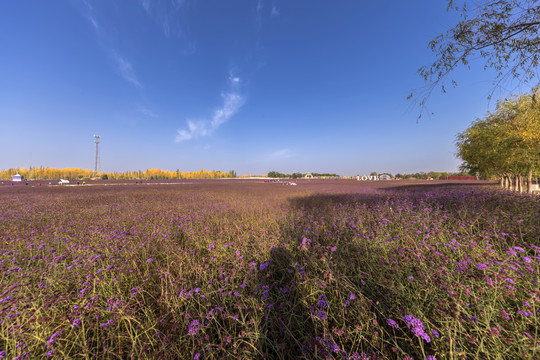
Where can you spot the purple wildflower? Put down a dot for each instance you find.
(49, 353)
(352, 297)
(51, 339)
(149, 260)
(392, 323)
(416, 327)
(22, 356)
(482, 266)
(76, 322)
(425, 337)
(197, 356)
(321, 315)
(264, 265)
(511, 252)
(2, 354)
(194, 327)
(107, 323)
(322, 302)
(435, 333)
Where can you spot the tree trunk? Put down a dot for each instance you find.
(520, 183)
(529, 181)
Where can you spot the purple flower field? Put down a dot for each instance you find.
(245, 269)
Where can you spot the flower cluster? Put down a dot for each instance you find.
(417, 327)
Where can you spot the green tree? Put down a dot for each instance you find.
(506, 143)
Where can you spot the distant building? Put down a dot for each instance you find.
(17, 178)
(385, 177)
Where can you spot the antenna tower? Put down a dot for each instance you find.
(96, 165)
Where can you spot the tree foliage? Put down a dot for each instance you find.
(298, 175)
(506, 143)
(429, 175)
(47, 173)
(503, 33)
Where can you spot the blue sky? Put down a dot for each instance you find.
(253, 86)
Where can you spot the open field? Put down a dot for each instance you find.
(336, 269)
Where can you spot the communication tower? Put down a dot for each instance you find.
(96, 165)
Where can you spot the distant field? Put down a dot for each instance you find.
(336, 269)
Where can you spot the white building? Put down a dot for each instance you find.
(17, 178)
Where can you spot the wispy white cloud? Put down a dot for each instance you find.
(124, 67)
(146, 5)
(178, 3)
(234, 81)
(126, 70)
(275, 10)
(94, 23)
(90, 15)
(258, 14)
(195, 129)
(232, 102)
(166, 14)
(147, 112)
(262, 10)
(280, 154)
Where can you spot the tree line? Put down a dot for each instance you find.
(48, 173)
(436, 175)
(298, 175)
(506, 143)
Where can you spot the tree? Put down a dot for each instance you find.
(506, 143)
(504, 33)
